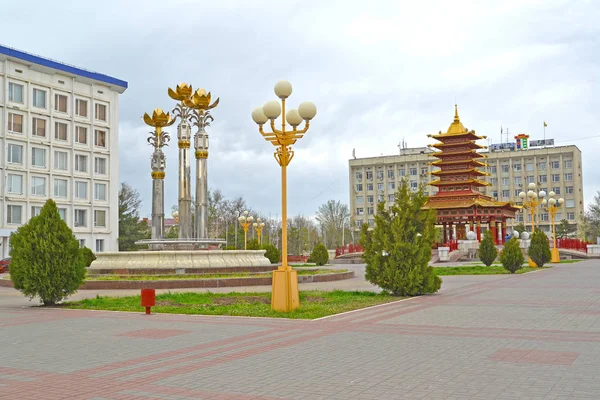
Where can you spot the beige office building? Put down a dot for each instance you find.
(558, 169)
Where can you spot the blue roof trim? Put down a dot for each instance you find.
(61, 67)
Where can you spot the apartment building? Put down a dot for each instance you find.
(60, 140)
(558, 169)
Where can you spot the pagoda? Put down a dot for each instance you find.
(459, 204)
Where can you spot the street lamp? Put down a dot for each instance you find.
(285, 280)
(245, 221)
(531, 200)
(258, 227)
(551, 205)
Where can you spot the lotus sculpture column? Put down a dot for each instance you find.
(201, 118)
(158, 139)
(182, 93)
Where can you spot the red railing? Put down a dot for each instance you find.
(572, 244)
(349, 249)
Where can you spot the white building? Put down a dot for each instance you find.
(59, 139)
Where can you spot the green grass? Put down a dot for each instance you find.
(313, 304)
(569, 261)
(478, 270)
(321, 271)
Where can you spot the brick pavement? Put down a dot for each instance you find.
(533, 336)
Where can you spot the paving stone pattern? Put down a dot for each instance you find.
(532, 336)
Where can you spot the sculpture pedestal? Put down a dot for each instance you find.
(444, 254)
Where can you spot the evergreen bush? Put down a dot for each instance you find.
(320, 255)
(272, 253)
(539, 249)
(398, 250)
(46, 261)
(229, 248)
(512, 257)
(252, 244)
(487, 249)
(88, 256)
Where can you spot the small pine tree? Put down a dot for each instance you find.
(539, 249)
(272, 253)
(46, 260)
(252, 244)
(398, 250)
(487, 249)
(520, 227)
(88, 256)
(320, 255)
(512, 257)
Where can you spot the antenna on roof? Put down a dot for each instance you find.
(354, 153)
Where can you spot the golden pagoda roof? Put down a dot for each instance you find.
(470, 152)
(466, 203)
(462, 182)
(456, 129)
(469, 143)
(438, 163)
(460, 171)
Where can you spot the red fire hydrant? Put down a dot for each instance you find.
(148, 299)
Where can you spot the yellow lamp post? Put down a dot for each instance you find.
(551, 206)
(258, 227)
(531, 200)
(285, 280)
(245, 221)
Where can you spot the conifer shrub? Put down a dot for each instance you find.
(398, 249)
(252, 244)
(319, 255)
(539, 249)
(487, 249)
(46, 260)
(88, 256)
(512, 257)
(272, 253)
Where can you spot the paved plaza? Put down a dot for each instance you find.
(532, 336)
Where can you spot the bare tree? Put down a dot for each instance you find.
(334, 220)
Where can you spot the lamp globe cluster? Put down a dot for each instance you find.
(271, 110)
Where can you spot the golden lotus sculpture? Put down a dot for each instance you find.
(201, 101)
(182, 92)
(159, 119)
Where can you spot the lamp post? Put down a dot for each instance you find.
(245, 221)
(531, 200)
(258, 227)
(285, 280)
(551, 206)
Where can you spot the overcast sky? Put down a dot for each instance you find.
(378, 71)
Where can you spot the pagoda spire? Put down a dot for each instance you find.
(456, 119)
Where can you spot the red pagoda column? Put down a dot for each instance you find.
(493, 228)
(445, 230)
(503, 230)
(479, 229)
(450, 231)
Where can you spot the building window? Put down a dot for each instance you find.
(380, 198)
(391, 185)
(81, 162)
(569, 190)
(506, 193)
(391, 198)
(505, 182)
(493, 169)
(60, 131)
(358, 175)
(63, 213)
(38, 186)
(518, 180)
(359, 186)
(530, 179)
(380, 175)
(371, 222)
(100, 112)
(99, 138)
(39, 98)
(370, 210)
(424, 171)
(542, 166)
(359, 211)
(81, 108)
(571, 216)
(495, 194)
(38, 127)
(369, 186)
(543, 178)
(401, 172)
(15, 92)
(15, 153)
(60, 160)
(544, 217)
(99, 245)
(15, 123)
(494, 181)
(555, 177)
(554, 164)
(390, 174)
(80, 190)
(80, 218)
(529, 167)
(517, 167)
(569, 177)
(370, 175)
(80, 135)
(556, 190)
(505, 168)
(13, 214)
(60, 103)
(38, 157)
(370, 199)
(35, 211)
(100, 218)
(568, 163)
(570, 203)
(359, 199)
(60, 187)
(557, 217)
(15, 184)
(414, 185)
(100, 191)
(380, 187)
(413, 171)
